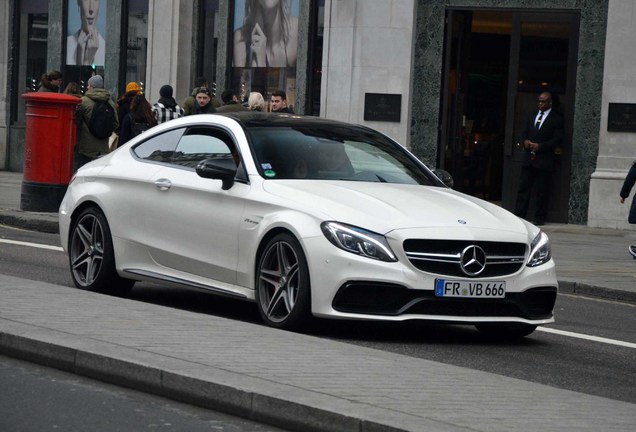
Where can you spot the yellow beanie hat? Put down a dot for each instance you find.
(133, 86)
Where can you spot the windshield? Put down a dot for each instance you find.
(333, 154)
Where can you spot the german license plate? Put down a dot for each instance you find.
(469, 289)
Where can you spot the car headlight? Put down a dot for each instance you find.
(358, 241)
(540, 250)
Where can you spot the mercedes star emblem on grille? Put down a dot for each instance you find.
(473, 260)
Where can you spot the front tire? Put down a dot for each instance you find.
(91, 255)
(283, 293)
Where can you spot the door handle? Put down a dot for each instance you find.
(163, 184)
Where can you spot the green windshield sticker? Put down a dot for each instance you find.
(269, 173)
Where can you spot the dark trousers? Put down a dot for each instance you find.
(79, 160)
(539, 180)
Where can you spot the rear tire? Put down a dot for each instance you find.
(506, 331)
(283, 293)
(91, 255)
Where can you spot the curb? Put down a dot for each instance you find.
(583, 289)
(17, 220)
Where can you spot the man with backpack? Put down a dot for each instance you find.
(96, 119)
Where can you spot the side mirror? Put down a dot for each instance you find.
(444, 176)
(223, 169)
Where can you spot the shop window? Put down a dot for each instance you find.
(264, 51)
(30, 42)
(85, 40)
(86, 46)
(137, 42)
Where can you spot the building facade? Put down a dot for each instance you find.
(450, 79)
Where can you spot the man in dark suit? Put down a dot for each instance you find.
(542, 134)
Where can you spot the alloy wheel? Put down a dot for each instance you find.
(87, 250)
(279, 281)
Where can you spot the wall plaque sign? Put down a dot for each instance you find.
(382, 107)
(621, 117)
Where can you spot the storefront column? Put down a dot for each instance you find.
(223, 47)
(367, 60)
(56, 35)
(169, 47)
(114, 54)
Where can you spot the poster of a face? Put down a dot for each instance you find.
(86, 24)
(265, 33)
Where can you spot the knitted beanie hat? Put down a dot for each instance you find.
(133, 86)
(165, 91)
(96, 81)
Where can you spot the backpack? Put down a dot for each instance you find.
(102, 121)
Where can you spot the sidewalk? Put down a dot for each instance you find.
(10, 213)
(297, 381)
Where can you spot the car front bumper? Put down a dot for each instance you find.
(348, 286)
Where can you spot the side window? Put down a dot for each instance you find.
(160, 148)
(187, 147)
(202, 143)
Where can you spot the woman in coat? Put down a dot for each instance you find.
(50, 82)
(139, 119)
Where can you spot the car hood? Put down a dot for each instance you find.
(383, 207)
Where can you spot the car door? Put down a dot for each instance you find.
(191, 223)
(126, 183)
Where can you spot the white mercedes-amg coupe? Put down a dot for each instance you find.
(307, 217)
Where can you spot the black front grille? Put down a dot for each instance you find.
(442, 257)
(393, 300)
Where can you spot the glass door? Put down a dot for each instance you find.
(542, 58)
(496, 63)
(454, 134)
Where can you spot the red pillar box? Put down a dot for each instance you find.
(48, 151)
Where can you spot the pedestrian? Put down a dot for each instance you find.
(50, 82)
(204, 102)
(123, 104)
(625, 191)
(138, 120)
(73, 89)
(279, 102)
(93, 128)
(230, 102)
(190, 104)
(540, 137)
(166, 108)
(256, 102)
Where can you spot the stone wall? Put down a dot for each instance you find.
(617, 150)
(368, 48)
